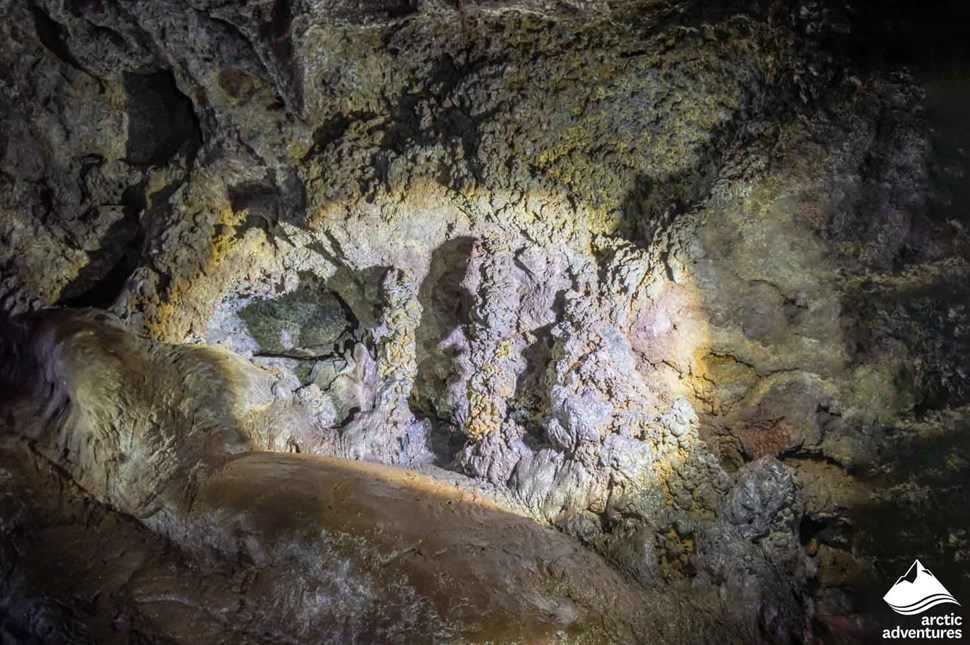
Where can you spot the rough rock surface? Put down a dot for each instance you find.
(686, 280)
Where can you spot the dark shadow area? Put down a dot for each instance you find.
(14, 361)
(927, 318)
(917, 510)
(161, 120)
(360, 289)
(270, 201)
(871, 32)
(262, 203)
(102, 280)
(653, 203)
(902, 31)
(947, 106)
(446, 305)
(531, 392)
(51, 35)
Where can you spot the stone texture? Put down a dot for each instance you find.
(677, 278)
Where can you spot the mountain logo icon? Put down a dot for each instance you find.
(917, 591)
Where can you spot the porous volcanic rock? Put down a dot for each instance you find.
(684, 280)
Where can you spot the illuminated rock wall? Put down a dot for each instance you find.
(661, 273)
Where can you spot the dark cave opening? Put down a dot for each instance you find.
(161, 120)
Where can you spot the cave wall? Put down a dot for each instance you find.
(663, 271)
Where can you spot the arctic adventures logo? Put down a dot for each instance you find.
(916, 592)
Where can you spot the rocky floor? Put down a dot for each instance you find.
(675, 289)
(369, 570)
